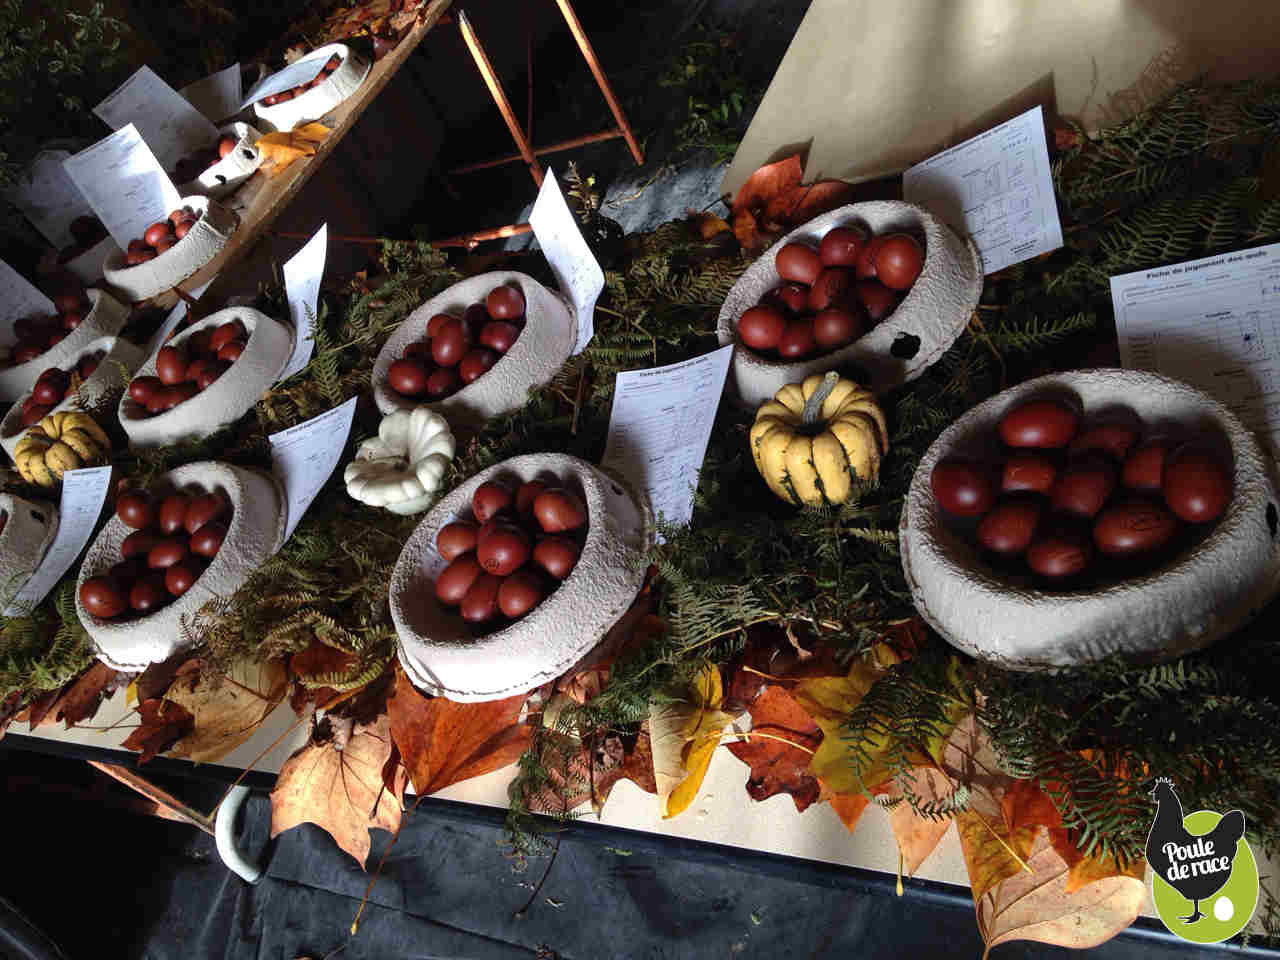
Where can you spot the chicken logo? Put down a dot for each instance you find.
(1201, 857)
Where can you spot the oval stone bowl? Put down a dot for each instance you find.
(29, 529)
(320, 99)
(233, 170)
(106, 318)
(201, 244)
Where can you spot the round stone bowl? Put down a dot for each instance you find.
(104, 385)
(233, 170)
(255, 532)
(437, 649)
(106, 318)
(900, 347)
(29, 529)
(1202, 594)
(201, 244)
(545, 343)
(225, 400)
(319, 100)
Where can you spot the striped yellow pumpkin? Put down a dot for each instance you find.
(813, 439)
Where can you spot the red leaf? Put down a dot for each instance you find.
(802, 203)
(778, 767)
(80, 701)
(317, 660)
(164, 723)
(768, 183)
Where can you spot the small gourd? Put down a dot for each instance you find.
(403, 467)
(813, 439)
(67, 440)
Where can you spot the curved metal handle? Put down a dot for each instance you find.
(224, 833)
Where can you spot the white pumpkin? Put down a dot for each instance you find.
(403, 466)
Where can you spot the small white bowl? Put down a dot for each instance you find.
(104, 386)
(29, 529)
(936, 309)
(256, 531)
(233, 170)
(225, 400)
(441, 655)
(106, 318)
(546, 342)
(1198, 597)
(201, 244)
(319, 100)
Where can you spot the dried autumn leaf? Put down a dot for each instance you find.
(706, 225)
(340, 791)
(163, 723)
(281, 149)
(829, 701)
(767, 184)
(34, 713)
(918, 836)
(310, 667)
(777, 722)
(683, 736)
(803, 202)
(849, 807)
(227, 710)
(636, 766)
(80, 700)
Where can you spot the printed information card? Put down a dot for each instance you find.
(48, 198)
(20, 298)
(575, 267)
(295, 75)
(166, 120)
(302, 274)
(304, 456)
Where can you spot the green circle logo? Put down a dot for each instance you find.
(1204, 879)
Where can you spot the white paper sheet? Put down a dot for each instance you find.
(294, 75)
(997, 188)
(168, 122)
(302, 275)
(83, 493)
(1213, 323)
(659, 428)
(218, 95)
(48, 198)
(304, 456)
(20, 298)
(576, 269)
(173, 319)
(124, 183)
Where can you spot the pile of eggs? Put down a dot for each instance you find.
(86, 232)
(1070, 498)
(173, 541)
(186, 370)
(160, 236)
(194, 164)
(330, 65)
(521, 543)
(458, 350)
(52, 386)
(35, 335)
(832, 295)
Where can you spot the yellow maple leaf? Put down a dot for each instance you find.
(684, 736)
(281, 149)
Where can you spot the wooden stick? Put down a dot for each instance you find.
(157, 796)
(589, 54)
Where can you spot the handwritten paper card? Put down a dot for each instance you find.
(302, 275)
(295, 75)
(48, 198)
(19, 297)
(305, 455)
(997, 188)
(218, 95)
(659, 428)
(83, 493)
(167, 121)
(576, 269)
(124, 183)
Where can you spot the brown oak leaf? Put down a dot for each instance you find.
(81, 698)
(35, 712)
(777, 722)
(317, 660)
(578, 772)
(163, 723)
(154, 682)
(227, 710)
(767, 184)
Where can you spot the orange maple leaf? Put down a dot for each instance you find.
(778, 749)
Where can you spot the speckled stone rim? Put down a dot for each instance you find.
(319, 100)
(233, 170)
(106, 318)
(1196, 598)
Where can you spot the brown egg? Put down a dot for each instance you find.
(480, 602)
(835, 327)
(1196, 485)
(521, 592)
(165, 244)
(499, 335)
(1132, 527)
(126, 572)
(157, 232)
(504, 550)
(211, 371)
(1010, 525)
(450, 343)
(899, 261)
(842, 246)
(443, 381)
(1062, 553)
(233, 330)
(207, 540)
(159, 401)
(69, 300)
(138, 544)
(103, 598)
(205, 509)
(556, 555)
(761, 327)
(490, 499)
(167, 552)
(791, 297)
(1084, 486)
(26, 353)
(72, 320)
(180, 393)
(419, 350)
(505, 303)
(231, 352)
(455, 539)
(475, 364)
(490, 525)
(171, 365)
(962, 488)
(199, 342)
(174, 217)
(408, 377)
(559, 510)
(136, 510)
(1042, 423)
(526, 494)
(1144, 468)
(34, 414)
(172, 513)
(1028, 473)
(181, 577)
(797, 340)
(149, 593)
(50, 391)
(878, 299)
(1112, 439)
(833, 288)
(866, 267)
(436, 322)
(798, 263)
(474, 319)
(456, 579)
(141, 257)
(182, 228)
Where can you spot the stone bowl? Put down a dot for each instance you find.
(121, 358)
(233, 170)
(106, 318)
(256, 532)
(436, 648)
(319, 100)
(546, 342)
(201, 244)
(1198, 596)
(936, 309)
(29, 529)
(225, 400)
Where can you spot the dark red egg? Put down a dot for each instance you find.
(207, 541)
(1144, 469)
(1060, 554)
(181, 577)
(172, 513)
(456, 579)
(797, 340)
(499, 335)
(1084, 486)
(1028, 473)
(50, 391)
(878, 299)
(232, 330)
(34, 414)
(899, 261)
(171, 366)
(205, 509)
(69, 301)
(1041, 423)
(181, 392)
(480, 602)
(408, 377)
(963, 488)
(455, 539)
(866, 266)
(167, 552)
(559, 510)
(419, 350)
(1113, 439)
(136, 510)
(833, 288)
(1196, 485)
(556, 555)
(842, 246)
(526, 494)
(72, 319)
(157, 232)
(789, 296)
(231, 352)
(505, 303)
(761, 327)
(182, 228)
(211, 372)
(450, 343)
(835, 327)
(442, 382)
(138, 544)
(490, 499)
(436, 322)
(1009, 526)
(475, 364)
(521, 592)
(503, 551)
(103, 598)
(474, 319)
(1132, 527)
(149, 593)
(799, 263)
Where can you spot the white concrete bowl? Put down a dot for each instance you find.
(28, 531)
(936, 309)
(319, 100)
(545, 343)
(104, 386)
(225, 400)
(256, 532)
(233, 170)
(106, 318)
(209, 235)
(437, 649)
(1199, 596)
